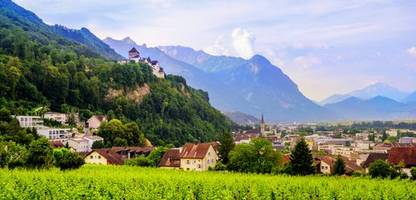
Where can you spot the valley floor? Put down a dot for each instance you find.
(124, 182)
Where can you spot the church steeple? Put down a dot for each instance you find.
(262, 126)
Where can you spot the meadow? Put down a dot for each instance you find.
(124, 182)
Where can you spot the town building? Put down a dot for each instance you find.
(95, 121)
(55, 134)
(403, 155)
(407, 140)
(191, 157)
(56, 116)
(103, 157)
(92, 139)
(171, 159)
(79, 144)
(30, 121)
(368, 159)
(198, 157)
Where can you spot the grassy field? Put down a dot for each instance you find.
(123, 182)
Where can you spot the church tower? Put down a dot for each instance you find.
(262, 126)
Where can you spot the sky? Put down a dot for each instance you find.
(325, 47)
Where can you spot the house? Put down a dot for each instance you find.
(171, 159)
(91, 139)
(403, 155)
(371, 157)
(79, 144)
(55, 134)
(56, 116)
(30, 121)
(407, 140)
(95, 121)
(132, 152)
(326, 164)
(196, 157)
(103, 157)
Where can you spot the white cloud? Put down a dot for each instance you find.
(243, 42)
(218, 48)
(307, 61)
(412, 51)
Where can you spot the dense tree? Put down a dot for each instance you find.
(380, 168)
(258, 156)
(301, 160)
(12, 155)
(40, 68)
(339, 166)
(65, 159)
(226, 145)
(40, 154)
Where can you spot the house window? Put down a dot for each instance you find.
(188, 162)
(91, 157)
(199, 165)
(209, 153)
(99, 157)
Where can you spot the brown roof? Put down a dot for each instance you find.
(407, 155)
(195, 151)
(373, 157)
(57, 144)
(328, 160)
(171, 158)
(144, 150)
(111, 156)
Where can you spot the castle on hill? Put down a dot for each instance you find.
(134, 55)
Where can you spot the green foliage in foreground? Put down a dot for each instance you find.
(123, 182)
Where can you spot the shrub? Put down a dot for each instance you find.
(65, 159)
(413, 173)
(140, 161)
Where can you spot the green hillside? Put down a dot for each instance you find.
(111, 182)
(41, 68)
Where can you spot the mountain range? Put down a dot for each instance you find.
(31, 23)
(371, 91)
(252, 86)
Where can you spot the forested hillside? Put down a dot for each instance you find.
(41, 68)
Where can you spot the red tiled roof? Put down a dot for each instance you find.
(407, 155)
(197, 151)
(171, 158)
(328, 160)
(112, 157)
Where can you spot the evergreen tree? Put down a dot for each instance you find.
(301, 160)
(226, 145)
(339, 166)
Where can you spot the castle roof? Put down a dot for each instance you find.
(133, 50)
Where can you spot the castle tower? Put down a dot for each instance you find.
(134, 55)
(262, 126)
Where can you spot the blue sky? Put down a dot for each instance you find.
(325, 46)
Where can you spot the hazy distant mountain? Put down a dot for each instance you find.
(242, 118)
(251, 86)
(376, 108)
(371, 91)
(411, 98)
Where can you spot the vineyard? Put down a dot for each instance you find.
(123, 182)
